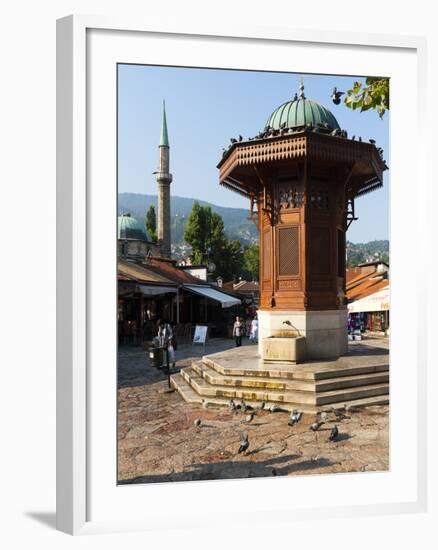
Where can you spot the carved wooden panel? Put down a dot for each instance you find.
(266, 267)
(288, 251)
(289, 284)
(320, 250)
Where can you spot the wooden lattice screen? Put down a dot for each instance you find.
(288, 262)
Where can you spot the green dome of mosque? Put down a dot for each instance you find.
(301, 111)
(129, 227)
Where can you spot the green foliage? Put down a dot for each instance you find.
(374, 95)
(230, 261)
(205, 233)
(237, 225)
(251, 262)
(361, 253)
(151, 224)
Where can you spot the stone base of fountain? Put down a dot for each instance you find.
(284, 346)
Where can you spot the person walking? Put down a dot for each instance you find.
(238, 330)
(166, 340)
(254, 332)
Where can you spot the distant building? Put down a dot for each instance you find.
(151, 286)
(368, 296)
(132, 240)
(156, 288)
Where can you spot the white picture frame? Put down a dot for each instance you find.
(88, 500)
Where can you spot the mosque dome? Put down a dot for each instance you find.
(129, 227)
(301, 111)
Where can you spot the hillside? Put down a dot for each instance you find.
(359, 253)
(237, 225)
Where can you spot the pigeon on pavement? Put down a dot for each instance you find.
(244, 443)
(334, 433)
(197, 422)
(295, 417)
(316, 425)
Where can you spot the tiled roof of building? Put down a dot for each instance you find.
(246, 286)
(365, 279)
(154, 270)
(367, 287)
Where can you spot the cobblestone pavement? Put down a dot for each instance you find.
(159, 442)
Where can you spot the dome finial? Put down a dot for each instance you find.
(301, 89)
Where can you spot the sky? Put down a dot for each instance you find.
(205, 108)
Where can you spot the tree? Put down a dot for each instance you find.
(374, 95)
(151, 224)
(230, 261)
(205, 233)
(251, 261)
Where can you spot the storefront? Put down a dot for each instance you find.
(370, 313)
(184, 302)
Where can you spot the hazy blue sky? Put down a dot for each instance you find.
(205, 107)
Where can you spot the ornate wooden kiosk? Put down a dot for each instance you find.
(301, 175)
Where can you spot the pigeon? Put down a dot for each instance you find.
(249, 417)
(197, 422)
(372, 141)
(275, 408)
(294, 418)
(262, 405)
(244, 407)
(353, 138)
(244, 443)
(240, 137)
(359, 138)
(232, 406)
(316, 425)
(323, 415)
(334, 433)
(283, 125)
(339, 414)
(336, 96)
(233, 140)
(204, 404)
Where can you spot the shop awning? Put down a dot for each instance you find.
(379, 301)
(156, 290)
(224, 299)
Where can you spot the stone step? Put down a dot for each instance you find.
(184, 389)
(190, 396)
(306, 371)
(217, 379)
(206, 390)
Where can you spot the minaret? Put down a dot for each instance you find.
(164, 178)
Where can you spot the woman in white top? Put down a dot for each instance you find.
(254, 333)
(238, 330)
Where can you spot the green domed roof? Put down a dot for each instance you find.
(301, 111)
(130, 228)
